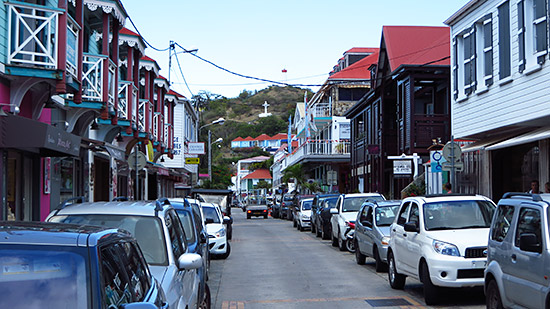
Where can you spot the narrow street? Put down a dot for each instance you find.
(272, 265)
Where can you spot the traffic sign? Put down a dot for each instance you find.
(448, 166)
(192, 161)
(452, 152)
(141, 160)
(436, 159)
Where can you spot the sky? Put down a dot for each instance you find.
(260, 38)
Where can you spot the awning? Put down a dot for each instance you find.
(35, 136)
(529, 137)
(116, 153)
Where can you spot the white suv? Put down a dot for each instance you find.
(159, 233)
(217, 233)
(440, 240)
(346, 210)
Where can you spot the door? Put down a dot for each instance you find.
(369, 237)
(399, 238)
(412, 241)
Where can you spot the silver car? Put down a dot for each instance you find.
(160, 235)
(372, 231)
(519, 253)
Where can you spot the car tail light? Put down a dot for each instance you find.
(249, 211)
(351, 224)
(283, 204)
(265, 210)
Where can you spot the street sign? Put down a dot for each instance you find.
(447, 166)
(141, 160)
(452, 152)
(402, 167)
(192, 161)
(196, 148)
(436, 159)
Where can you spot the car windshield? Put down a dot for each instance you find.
(306, 205)
(212, 214)
(385, 214)
(187, 222)
(450, 215)
(147, 231)
(288, 198)
(330, 202)
(34, 276)
(354, 203)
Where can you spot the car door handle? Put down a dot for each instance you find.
(514, 257)
(394, 230)
(404, 234)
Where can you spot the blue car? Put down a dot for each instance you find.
(197, 241)
(55, 265)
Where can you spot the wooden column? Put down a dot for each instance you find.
(148, 98)
(80, 55)
(61, 85)
(114, 58)
(105, 76)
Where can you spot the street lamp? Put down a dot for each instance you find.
(219, 140)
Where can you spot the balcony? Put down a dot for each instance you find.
(319, 151)
(143, 104)
(32, 31)
(156, 125)
(127, 92)
(93, 76)
(321, 110)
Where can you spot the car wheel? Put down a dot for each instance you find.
(265, 216)
(431, 291)
(350, 245)
(379, 266)
(359, 257)
(312, 228)
(294, 224)
(300, 228)
(206, 300)
(326, 233)
(248, 216)
(341, 242)
(318, 231)
(397, 281)
(334, 240)
(227, 252)
(492, 297)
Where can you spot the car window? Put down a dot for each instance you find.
(503, 219)
(211, 213)
(330, 202)
(148, 231)
(368, 217)
(413, 214)
(306, 205)
(363, 213)
(384, 215)
(176, 234)
(187, 223)
(528, 223)
(402, 219)
(115, 283)
(58, 277)
(353, 203)
(462, 214)
(137, 270)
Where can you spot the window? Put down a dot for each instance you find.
(528, 223)
(414, 214)
(532, 33)
(115, 283)
(369, 215)
(484, 48)
(502, 222)
(137, 271)
(504, 40)
(403, 214)
(177, 237)
(469, 54)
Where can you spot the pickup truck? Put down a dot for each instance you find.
(257, 207)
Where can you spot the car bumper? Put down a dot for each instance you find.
(457, 271)
(256, 213)
(305, 223)
(217, 245)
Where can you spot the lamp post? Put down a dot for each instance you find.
(219, 140)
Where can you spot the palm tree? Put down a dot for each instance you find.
(294, 172)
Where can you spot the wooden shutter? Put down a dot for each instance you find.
(488, 49)
(541, 31)
(521, 35)
(455, 69)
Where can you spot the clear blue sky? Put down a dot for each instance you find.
(260, 38)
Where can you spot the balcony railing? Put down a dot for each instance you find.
(143, 104)
(321, 110)
(318, 148)
(156, 125)
(92, 79)
(166, 134)
(32, 31)
(72, 46)
(126, 91)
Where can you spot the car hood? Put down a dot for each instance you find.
(463, 239)
(158, 272)
(384, 230)
(212, 228)
(306, 212)
(349, 216)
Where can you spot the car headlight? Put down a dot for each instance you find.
(385, 240)
(305, 217)
(220, 233)
(445, 248)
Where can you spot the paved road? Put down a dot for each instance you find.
(272, 265)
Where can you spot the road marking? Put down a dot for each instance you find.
(233, 305)
(241, 304)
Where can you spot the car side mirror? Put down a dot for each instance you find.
(334, 211)
(188, 261)
(203, 238)
(227, 220)
(412, 226)
(209, 220)
(529, 242)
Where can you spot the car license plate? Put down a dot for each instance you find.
(479, 264)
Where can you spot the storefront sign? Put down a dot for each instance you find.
(192, 161)
(345, 131)
(402, 167)
(196, 148)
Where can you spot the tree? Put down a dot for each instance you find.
(294, 172)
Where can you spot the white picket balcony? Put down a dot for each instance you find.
(126, 91)
(156, 125)
(321, 110)
(92, 79)
(143, 103)
(318, 149)
(32, 35)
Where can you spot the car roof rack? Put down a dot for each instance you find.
(73, 200)
(448, 194)
(159, 203)
(535, 197)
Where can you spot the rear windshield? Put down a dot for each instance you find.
(385, 214)
(306, 205)
(451, 215)
(188, 226)
(330, 202)
(148, 232)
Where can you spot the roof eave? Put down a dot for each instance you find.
(459, 14)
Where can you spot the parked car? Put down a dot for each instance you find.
(519, 253)
(54, 265)
(197, 242)
(218, 243)
(345, 213)
(159, 233)
(372, 231)
(320, 214)
(303, 216)
(276, 207)
(256, 207)
(296, 207)
(286, 204)
(440, 240)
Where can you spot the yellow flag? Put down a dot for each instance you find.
(150, 152)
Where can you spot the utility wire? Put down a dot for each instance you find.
(183, 76)
(143, 38)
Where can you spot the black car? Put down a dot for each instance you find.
(320, 216)
(276, 208)
(54, 265)
(286, 206)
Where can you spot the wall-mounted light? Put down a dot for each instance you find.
(64, 123)
(14, 109)
(119, 138)
(94, 125)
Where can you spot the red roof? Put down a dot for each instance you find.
(358, 70)
(128, 32)
(279, 136)
(362, 50)
(248, 138)
(162, 77)
(147, 58)
(417, 45)
(172, 92)
(238, 139)
(263, 137)
(259, 174)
